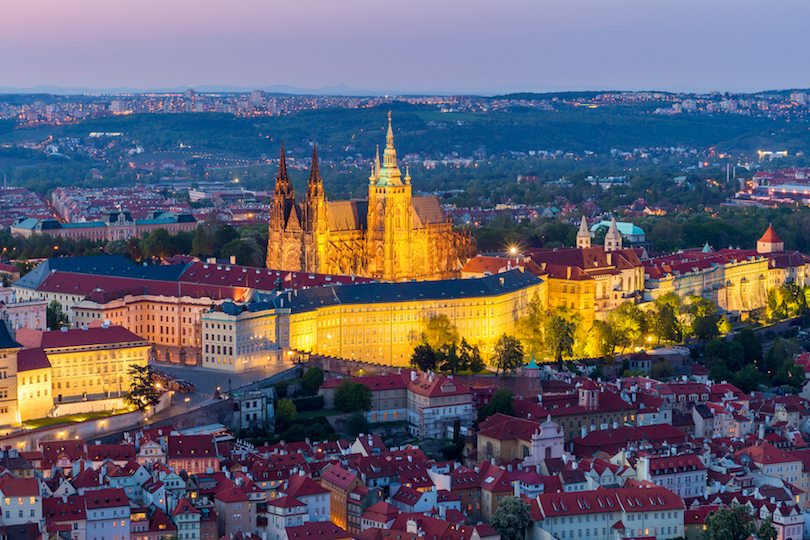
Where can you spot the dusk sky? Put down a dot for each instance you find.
(413, 45)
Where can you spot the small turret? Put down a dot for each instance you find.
(584, 235)
(613, 239)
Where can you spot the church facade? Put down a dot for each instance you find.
(391, 236)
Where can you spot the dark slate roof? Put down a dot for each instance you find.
(101, 265)
(377, 293)
(6, 341)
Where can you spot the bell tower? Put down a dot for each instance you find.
(390, 221)
(315, 220)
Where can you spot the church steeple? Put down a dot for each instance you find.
(283, 195)
(315, 182)
(389, 174)
(283, 184)
(613, 239)
(584, 235)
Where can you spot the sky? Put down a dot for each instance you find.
(408, 46)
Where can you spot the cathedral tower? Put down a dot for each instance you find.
(389, 216)
(285, 223)
(315, 220)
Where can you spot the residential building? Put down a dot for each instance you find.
(108, 514)
(21, 501)
(683, 474)
(192, 453)
(434, 404)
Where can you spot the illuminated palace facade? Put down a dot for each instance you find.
(378, 322)
(390, 236)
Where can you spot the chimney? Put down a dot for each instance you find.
(413, 376)
(233, 259)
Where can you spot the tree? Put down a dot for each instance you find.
(424, 358)
(142, 391)
(439, 332)
(134, 248)
(766, 530)
(508, 354)
(625, 321)
(351, 396)
(201, 244)
(599, 343)
(286, 410)
(157, 244)
(662, 369)
(724, 327)
(313, 379)
(471, 357)
(502, 402)
(735, 523)
(357, 423)
(55, 317)
(448, 359)
(530, 326)
(512, 518)
(559, 338)
(704, 318)
(752, 348)
(789, 374)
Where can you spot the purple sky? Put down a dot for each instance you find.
(409, 45)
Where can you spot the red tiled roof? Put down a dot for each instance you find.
(76, 337)
(439, 386)
(184, 507)
(770, 236)
(339, 476)
(302, 486)
(106, 498)
(322, 530)
(191, 447)
(31, 359)
(18, 487)
(286, 502)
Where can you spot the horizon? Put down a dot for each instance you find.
(419, 48)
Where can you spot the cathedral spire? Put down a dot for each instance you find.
(315, 182)
(283, 184)
(389, 175)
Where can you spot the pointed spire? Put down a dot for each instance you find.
(584, 235)
(283, 184)
(390, 173)
(315, 182)
(407, 174)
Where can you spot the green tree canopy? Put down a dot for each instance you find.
(439, 332)
(735, 523)
(55, 317)
(503, 401)
(424, 358)
(530, 327)
(313, 379)
(704, 318)
(559, 338)
(142, 391)
(508, 354)
(513, 518)
(286, 410)
(353, 396)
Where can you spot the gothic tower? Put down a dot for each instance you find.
(584, 235)
(315, 220)
(389, 216)
(284, 250)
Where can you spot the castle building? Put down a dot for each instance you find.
(391, 236)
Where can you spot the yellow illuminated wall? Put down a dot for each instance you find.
(34, 393)
(386, 332)
(98, 373)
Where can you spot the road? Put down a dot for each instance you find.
(205, 385)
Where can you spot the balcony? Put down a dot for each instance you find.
(261, 508)
(261, 521)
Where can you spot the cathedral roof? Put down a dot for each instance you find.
(347, 215)
(427, 211)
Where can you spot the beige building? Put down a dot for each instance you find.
(9, 348)
(34, 384)
(88, 363)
